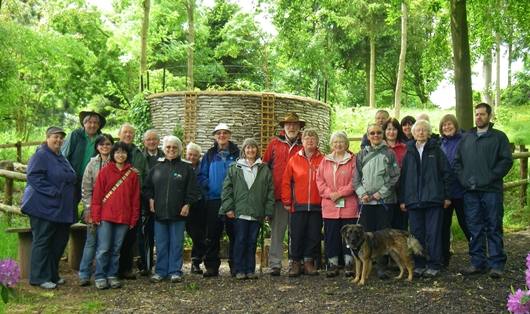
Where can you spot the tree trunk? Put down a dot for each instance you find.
(510, 49)
(498, 70)
(462, 64)
(401, 71)
(372, 61)
(486, 76)
(146, 4)
(191, 42)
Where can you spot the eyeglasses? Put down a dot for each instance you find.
(172, 148)
(375, 132)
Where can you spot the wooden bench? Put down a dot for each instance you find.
(76, 244)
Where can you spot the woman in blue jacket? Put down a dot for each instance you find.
(425, 189)
(49, 201)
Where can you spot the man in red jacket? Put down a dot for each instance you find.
(277, 154)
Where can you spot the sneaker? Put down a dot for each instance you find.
(48, 285)
(114, 283)
(60, 281)
(496, 273)
(472, 270)
(418, 272)
(241, 276)
(85, 281)
(252, 276)
(101, 284)
(276, 271)
(156, 278)
(176, 278)
(333, 271)
(431, 273)
(349, 270)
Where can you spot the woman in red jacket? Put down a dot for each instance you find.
(340, 204)
(115, 210)
(300, 196)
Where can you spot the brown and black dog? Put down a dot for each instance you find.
(368, 246)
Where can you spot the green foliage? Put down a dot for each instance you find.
(8, 241)
(517, 94)
(139, 115)
(178, 132)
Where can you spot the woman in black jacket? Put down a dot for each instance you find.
(425, 190)
(170, 187)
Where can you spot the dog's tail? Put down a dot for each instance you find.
(415, 246)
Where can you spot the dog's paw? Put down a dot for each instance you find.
(360, 283)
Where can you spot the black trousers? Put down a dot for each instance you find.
(214, 232)
(127, 250)
(457, 205)
(305, 230)
(196, 229)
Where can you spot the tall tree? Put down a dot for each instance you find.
(191, 41)
(146, 6)
(402, 56)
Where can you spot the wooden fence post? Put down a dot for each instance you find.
(19, 151)
(523, 175)
(8, 187)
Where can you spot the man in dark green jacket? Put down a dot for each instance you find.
(78, 148)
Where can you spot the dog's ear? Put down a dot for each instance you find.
(344, 230)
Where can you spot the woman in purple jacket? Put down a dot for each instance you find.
(450, 141)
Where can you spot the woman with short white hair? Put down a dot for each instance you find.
(171, 188)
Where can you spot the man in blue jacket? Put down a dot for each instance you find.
(78, 148)
(482, 160)
(214, 167)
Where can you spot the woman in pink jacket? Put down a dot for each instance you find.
(339, 202)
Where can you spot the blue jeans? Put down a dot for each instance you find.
(110, 239)
(85, 268)
(245, 247)
(169, 237)
(484, 212)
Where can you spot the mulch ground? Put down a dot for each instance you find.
(448, 293)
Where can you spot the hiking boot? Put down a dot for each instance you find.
(156, 278)
(309, 269)
(472, 270)
(333, 271)
(418, 272)
(101, 284)
(349, 272)
(276, 271)
(85, 281)
(210, 272)
(252, 276)
(241, 276)
(176, 278)
(295, 269)
(496, 273)
(113, 282)
(431, 273)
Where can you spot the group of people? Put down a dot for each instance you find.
(405, 176)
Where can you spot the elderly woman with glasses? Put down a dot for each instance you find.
(425, 189)
(375, 179)
(171, 188)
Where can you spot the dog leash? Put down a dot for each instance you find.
(361, 207)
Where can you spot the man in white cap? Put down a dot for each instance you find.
(78, 148)
(214, 166)
(277, 154)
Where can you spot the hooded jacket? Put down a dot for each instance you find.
(256, 201)
(299, 185)
(333, 177)
(426, 182)
(449, 146)
(277, 155)
(481, 162)
(50, 187)
(379, 174)
(213, 169)
(123, 206)
(171, 184)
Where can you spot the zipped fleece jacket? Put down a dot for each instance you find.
(333, 177)
(213, 169)
(277, 155)
(138, 160)
(380, 174)
(449, 146)
(74, 147)
(123, 206)
(50, 187)
(89, 180)
(482, 162)
(426, 182)
(399, 149)
(299, 185)
(171, 184)
(256, 201)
